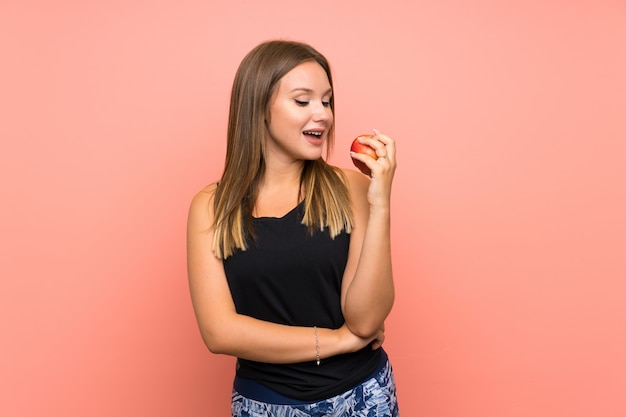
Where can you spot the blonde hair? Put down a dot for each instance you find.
(326, 196)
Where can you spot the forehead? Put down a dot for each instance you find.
(306, 76)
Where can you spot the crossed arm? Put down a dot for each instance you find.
(367, 289)
(225, 331)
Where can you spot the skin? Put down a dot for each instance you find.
(300, 104)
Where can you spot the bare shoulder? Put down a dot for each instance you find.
(205, 194)
(358, 183)
(201, 208)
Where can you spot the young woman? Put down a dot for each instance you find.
(289, 258)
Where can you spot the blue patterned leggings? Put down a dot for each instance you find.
(375, 397)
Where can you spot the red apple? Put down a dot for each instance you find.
(358, 147)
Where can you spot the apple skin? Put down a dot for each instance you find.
(358, 147)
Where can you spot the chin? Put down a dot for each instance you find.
(314, 156)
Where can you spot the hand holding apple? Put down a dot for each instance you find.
(358, 147)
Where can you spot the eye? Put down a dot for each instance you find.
(301, 103)
(326, 103)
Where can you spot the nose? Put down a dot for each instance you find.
(322, 113)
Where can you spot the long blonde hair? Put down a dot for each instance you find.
(327, 200)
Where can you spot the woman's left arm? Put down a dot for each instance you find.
(367, 289)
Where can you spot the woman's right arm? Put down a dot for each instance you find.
(225, 331)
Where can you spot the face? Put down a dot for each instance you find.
(300, 113)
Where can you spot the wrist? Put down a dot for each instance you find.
(317, 346)
(380, 210)
(348, 342)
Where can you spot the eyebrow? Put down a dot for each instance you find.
(308, 90)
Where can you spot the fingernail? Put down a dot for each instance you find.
(376, 131)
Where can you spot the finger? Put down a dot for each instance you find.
(388, 142)
(376, 144)
(366, 160)
(378, 342)
(383, 137)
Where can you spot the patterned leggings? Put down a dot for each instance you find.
(375, 397)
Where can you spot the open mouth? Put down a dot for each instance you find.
(314, 134)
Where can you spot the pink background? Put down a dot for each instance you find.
(508, 215)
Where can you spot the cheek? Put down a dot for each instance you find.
(275, 119)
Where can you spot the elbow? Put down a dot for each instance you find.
(214, 347)
(218, 335)
(214, 344)
(369, 322)
(365, 328)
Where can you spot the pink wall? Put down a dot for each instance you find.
(508, 229)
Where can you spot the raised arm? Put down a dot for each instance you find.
(225, 331)
(368, 290)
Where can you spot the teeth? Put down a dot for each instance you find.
(313, 133)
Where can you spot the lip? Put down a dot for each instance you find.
(312, 139)
(317, 141)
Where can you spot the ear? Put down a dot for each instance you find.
(268, 114)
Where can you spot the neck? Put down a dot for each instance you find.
(280, 175)
(279, 191)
